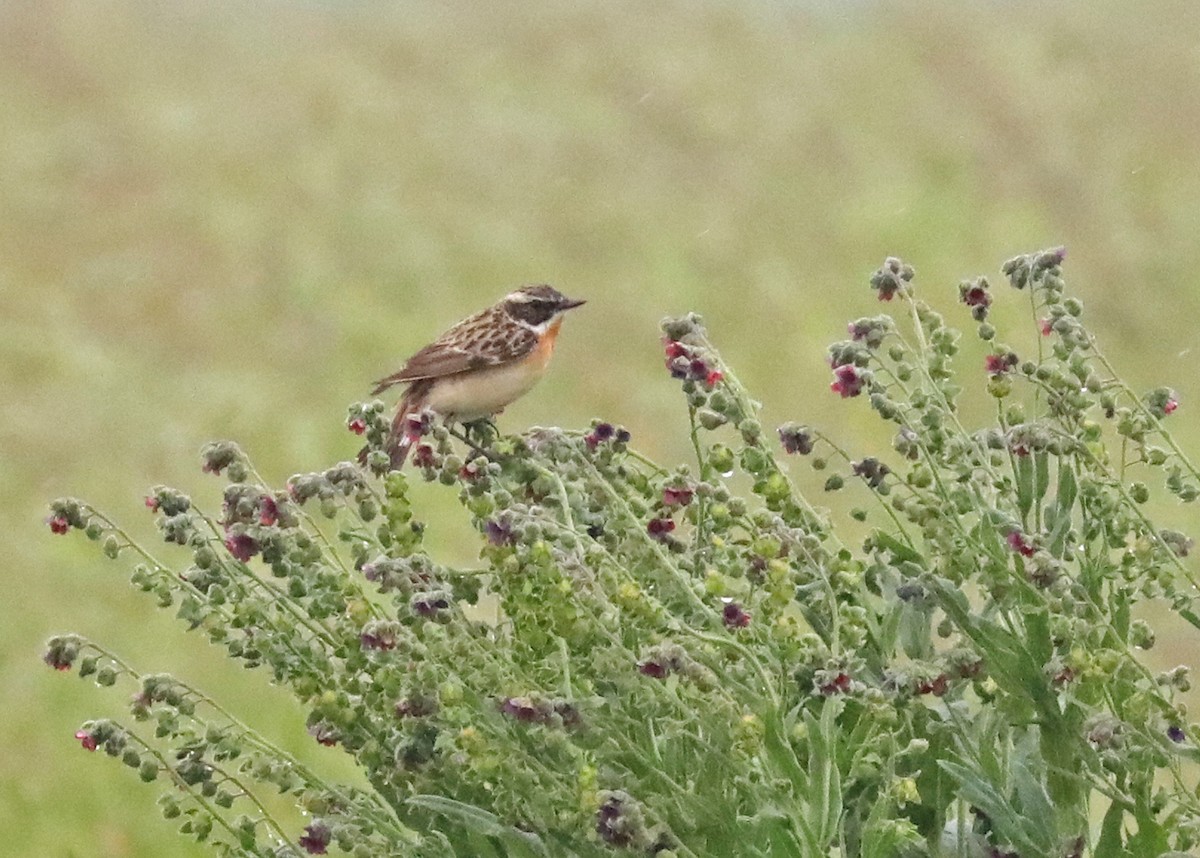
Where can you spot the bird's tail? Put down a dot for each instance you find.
(401, 436)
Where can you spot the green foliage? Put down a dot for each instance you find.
(696, 661)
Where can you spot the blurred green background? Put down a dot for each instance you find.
(221, 219)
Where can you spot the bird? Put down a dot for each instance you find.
(479, 366)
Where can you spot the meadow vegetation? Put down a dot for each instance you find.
(224, 223)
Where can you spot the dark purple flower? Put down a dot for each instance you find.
(872, 470)
(316, 837)
(416, 706)
(1175, 733)
(429, 604)
(499, 532)
(847, 380)
(243, 546)
(735, 616)
(382, 640)
(1000, 364)
(523, 709)
(796, 439)
(677, 496)
(936, 686)
(975, 295)
(58, 524)
(654, 669)
(324, 733)
(660, 527)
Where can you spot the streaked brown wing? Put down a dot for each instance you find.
(480, 341)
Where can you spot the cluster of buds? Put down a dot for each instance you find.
(603, 433)
(999, 364)
(686, 363)
(796, 439)
(975, 294)
(892, 278)
(535, 710)
(66, 513)
(873, 471)
(225, 456)
(870, 331)
(661, 660)
(734, 615)
(1030, 268)
(316, 838)
(621, 823)
(380, 635)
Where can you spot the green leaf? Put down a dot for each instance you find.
(483, 823)
(1041, 474)
(1024, 468)
(1108, 845)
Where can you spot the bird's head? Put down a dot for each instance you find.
(538, 305)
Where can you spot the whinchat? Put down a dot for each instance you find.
(479, 366)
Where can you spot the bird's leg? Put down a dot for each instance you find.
(465, 437)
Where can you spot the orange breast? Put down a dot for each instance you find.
(545, 347)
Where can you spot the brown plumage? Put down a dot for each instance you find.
(478, 366)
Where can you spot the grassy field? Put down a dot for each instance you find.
(224, 220)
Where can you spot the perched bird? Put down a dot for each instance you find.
(480, 365)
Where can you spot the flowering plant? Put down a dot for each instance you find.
(680, 668)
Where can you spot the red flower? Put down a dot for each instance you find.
(423, 456)
(268, 511)
(673, 349)
(1047, 327)
(58, 524)
(936, 686)
(1018, 543)
(840, 684)
(848, 380)
(714, 376)
(86, 740)
(357, 426)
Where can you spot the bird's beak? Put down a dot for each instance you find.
(570, 304)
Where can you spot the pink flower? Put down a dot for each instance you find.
(1047, 327)
(1170, 405)
(86, 740)
(58, 524)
